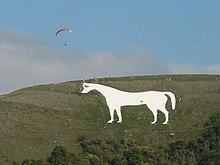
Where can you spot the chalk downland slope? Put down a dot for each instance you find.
(35, 119)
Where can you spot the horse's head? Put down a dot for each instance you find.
(86, 87)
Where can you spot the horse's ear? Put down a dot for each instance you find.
(96, 80)
(82, 82)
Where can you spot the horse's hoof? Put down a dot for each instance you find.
(110, 121)
(153, 122)
(119, 121)
(165, 123)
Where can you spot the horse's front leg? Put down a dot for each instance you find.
(118, 110)
(111, 110)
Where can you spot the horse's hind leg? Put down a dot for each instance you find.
(166, 113)
(154, 111)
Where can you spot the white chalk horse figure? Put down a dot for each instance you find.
(115, 99)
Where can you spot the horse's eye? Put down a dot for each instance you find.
(86, 86)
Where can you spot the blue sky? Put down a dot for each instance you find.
(174, 32)
(186, 31)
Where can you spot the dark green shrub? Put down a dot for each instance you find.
(94, 160)
(118, 160)
(60, 156)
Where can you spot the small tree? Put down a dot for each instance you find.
(60, 156)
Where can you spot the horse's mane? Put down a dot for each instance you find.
(106, 87)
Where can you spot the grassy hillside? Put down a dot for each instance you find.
(35, 119)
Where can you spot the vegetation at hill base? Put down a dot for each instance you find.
(202, 151)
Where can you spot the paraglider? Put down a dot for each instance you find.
(63, 30)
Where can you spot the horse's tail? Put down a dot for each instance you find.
(173, 99)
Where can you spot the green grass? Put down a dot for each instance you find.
(35, 119)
